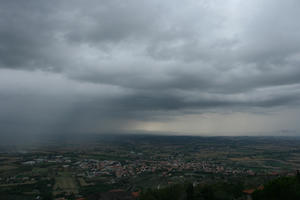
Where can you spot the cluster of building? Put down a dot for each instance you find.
(16, 180)
(54, 159)
(129, 168)
(90, 168)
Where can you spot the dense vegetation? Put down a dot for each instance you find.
(283, 188)
(31, 190)
(287, 188)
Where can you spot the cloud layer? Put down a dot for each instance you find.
(108, 65)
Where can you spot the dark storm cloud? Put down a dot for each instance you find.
(98, 65)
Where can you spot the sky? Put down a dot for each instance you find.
(194, 67)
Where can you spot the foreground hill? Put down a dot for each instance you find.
(283, 188)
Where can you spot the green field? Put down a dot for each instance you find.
(7, 167)
(65, 184)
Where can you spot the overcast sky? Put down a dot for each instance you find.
(202, 67)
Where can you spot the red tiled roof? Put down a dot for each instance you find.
(249, 191)
(135, 194)
(261, 187)
(116, 190)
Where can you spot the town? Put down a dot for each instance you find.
(132, 165)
